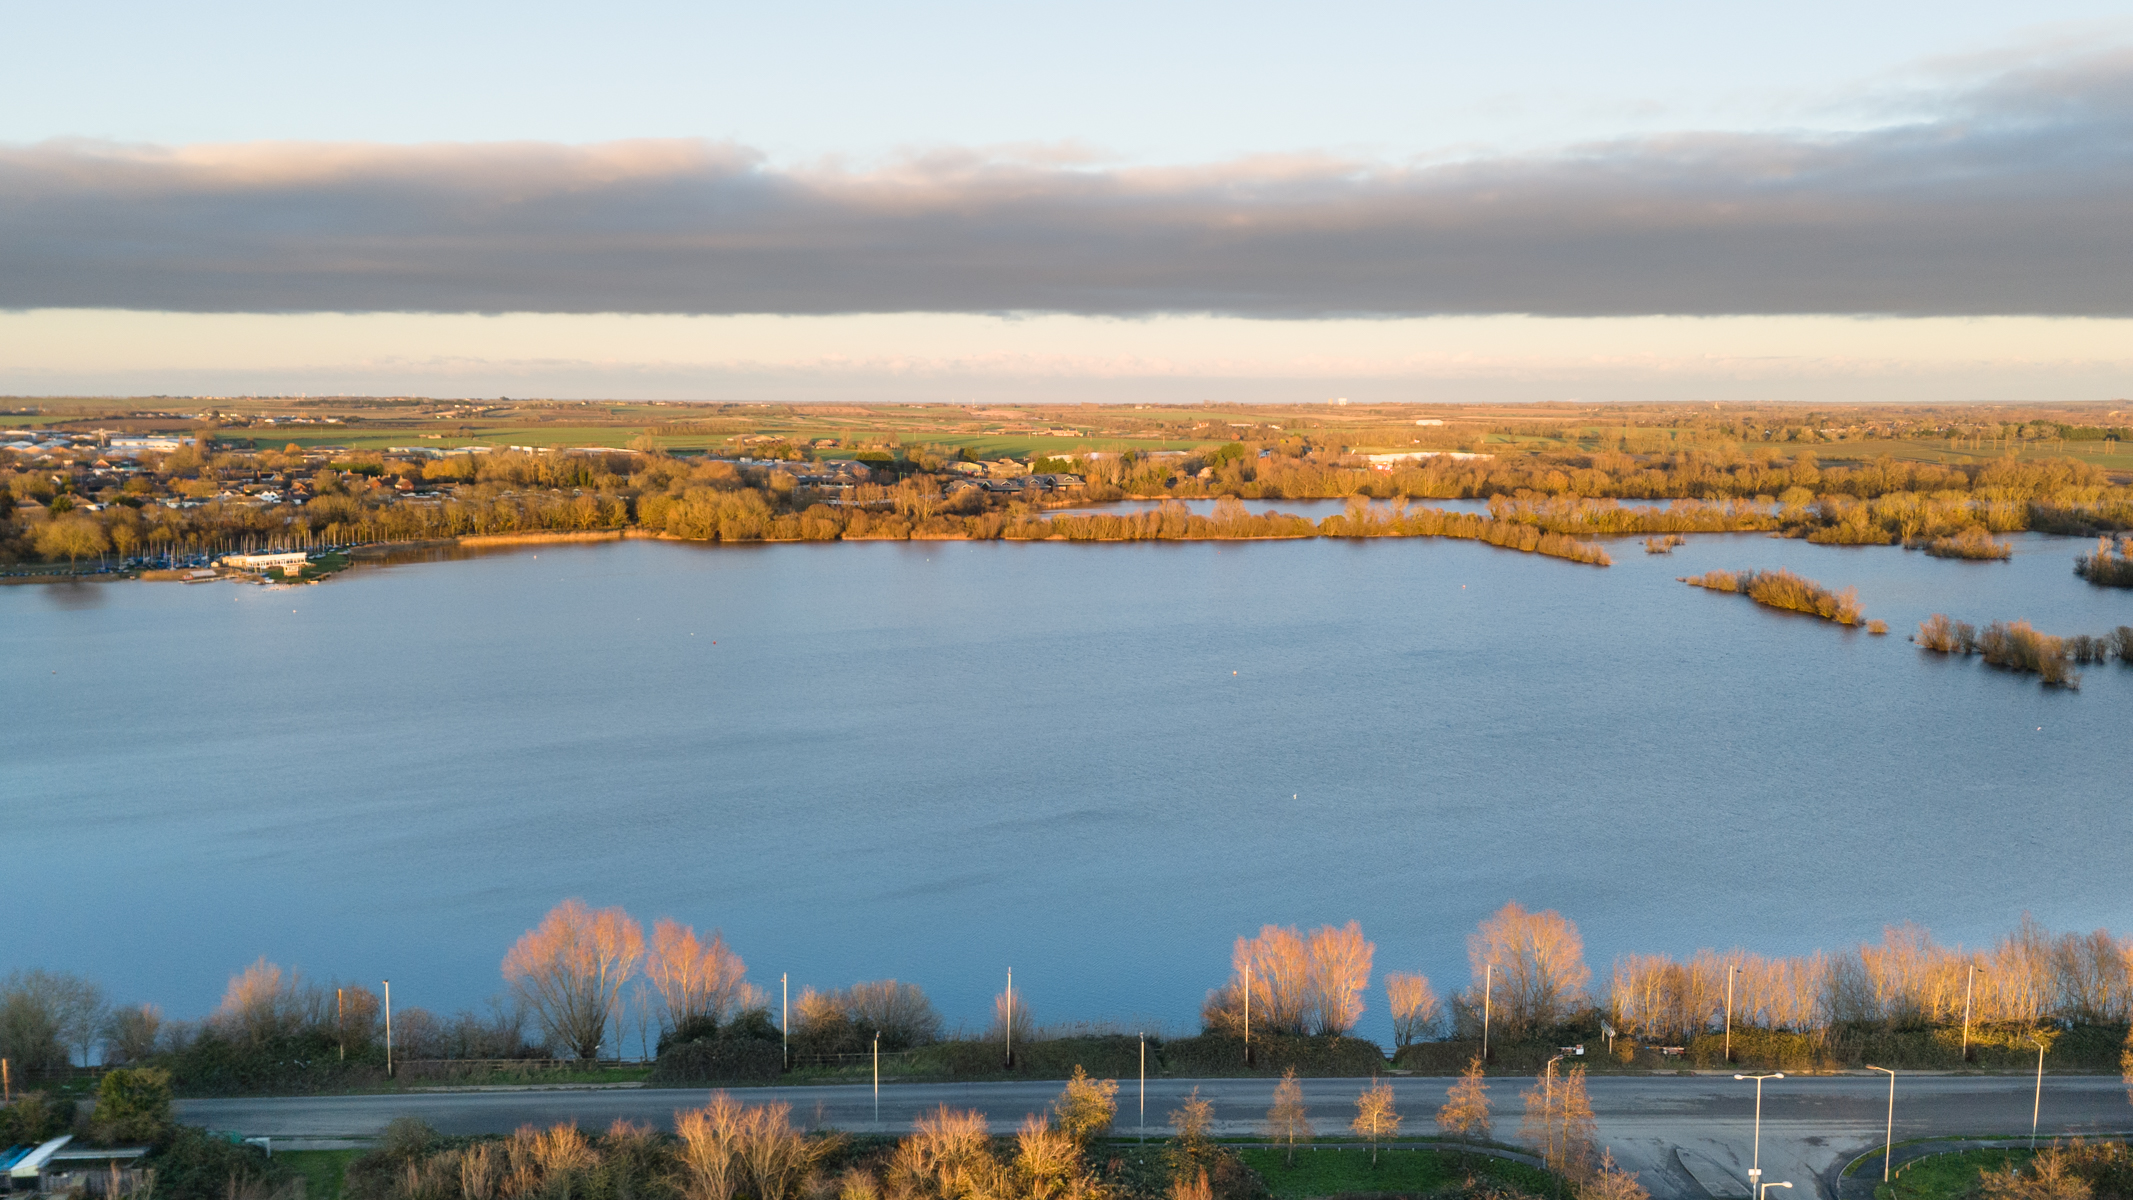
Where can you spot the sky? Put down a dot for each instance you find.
(1052, 202)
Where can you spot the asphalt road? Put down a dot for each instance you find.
(1811, 1126)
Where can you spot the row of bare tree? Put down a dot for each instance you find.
(571, 969)
(1529, 973)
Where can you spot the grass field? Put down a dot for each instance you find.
(322, 1170)
(1946, 1176)
(1335, 1170)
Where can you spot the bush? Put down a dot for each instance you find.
(214, 1064)
(1106, 1056)
(35, 1117)
(196, 1165)
(133, 1106)
(1322, 1057)
(720, 1060)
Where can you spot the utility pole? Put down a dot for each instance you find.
(388, 1029)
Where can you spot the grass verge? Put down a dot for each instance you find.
(1947, 1176)
(322, 1170)
(1338, 1170)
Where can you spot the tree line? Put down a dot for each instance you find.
(571, 978)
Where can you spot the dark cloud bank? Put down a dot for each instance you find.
(2019, 200)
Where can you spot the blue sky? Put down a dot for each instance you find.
(1426, 201)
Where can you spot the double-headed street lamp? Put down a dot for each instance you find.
(1755, 1171)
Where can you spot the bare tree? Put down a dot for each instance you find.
(264, 1003)
(1611, 1182)
(900, 1011)
(1298, 986)
(570, 969)
(693, 978)
(1465, 1113)
(1416, 1015)
(1538, 963)
(1288, 1121)
(131, 1032)
(1376, 1120)
(1340, 972)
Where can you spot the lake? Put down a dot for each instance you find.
(1095, 764)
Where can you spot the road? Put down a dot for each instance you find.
(1811, 1126)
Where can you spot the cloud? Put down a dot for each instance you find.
(2015, 201)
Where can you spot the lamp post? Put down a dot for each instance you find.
(1548, 1102)
(1755, 1171)
(1247, 1014)
(1888, 1137)
(785, 1020)
(2036, 1103)
(1729, 1013)
(877, 1081)
(1488, 977)
(1010, 1031)
(1763, 1190)
(388, 1029)
(1144, 1085)
(1968, 990)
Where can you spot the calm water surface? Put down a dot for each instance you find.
(1094, 764)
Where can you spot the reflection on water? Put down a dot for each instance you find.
(1096, 764)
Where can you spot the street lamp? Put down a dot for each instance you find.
(1488, 979)
(1969, 989)
(1729, 1013)
(1755, 1171)
(1763, 1190)
(1888, 1139)
(2037, 1102)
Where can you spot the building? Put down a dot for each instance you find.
(288, 564)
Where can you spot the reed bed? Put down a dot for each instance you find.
(1783, 589)
(1973, 543)
(2015, 646)
(1363, 520)
(2111, 565)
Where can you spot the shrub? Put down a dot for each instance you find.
(720, 1060)
(35, 1117)
(1783, 589)
(2017, 647)
(2110, 566)
(196, 1165)
(133, 1106)
(1317, 1057)
(1972, 543)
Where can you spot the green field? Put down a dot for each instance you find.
(1335, 1170)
